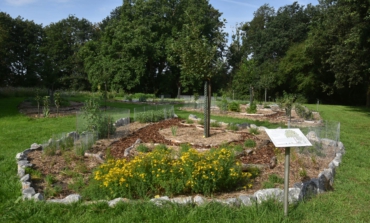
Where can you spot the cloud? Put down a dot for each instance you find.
(20, 2)
(241, 3)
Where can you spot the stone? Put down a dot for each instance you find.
(29, 191)
(160, 201)
(24, 163)
(247, 200)
(182, 200)
(20, 156)
(341, 148)
(262, 128)
(199, 200)
(271, 193)
(21, 172)
(249, 151)
(326, 143)
(26, 185)
(253, 126)
(38, 197)
(312, 137)
(191, 116)
(73, 135)
(230, 202)
(328, 176)
(308, 190)
(243, 125)
(273, 162)
(114, 202)
(25, 178)
(35, 146)
(293, 195)
(67, 200)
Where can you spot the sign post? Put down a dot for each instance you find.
(287, 138)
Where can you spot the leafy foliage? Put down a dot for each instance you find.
(158, 173)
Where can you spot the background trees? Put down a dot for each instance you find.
(163, 46)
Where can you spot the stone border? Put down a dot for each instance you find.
(300, 191)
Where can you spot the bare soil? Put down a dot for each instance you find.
(68, 169)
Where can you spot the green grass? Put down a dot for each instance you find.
(349, 202)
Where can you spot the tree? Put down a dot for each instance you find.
(199, 61)
(19, 55)
(61, 66)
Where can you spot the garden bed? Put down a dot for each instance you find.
(70, 173)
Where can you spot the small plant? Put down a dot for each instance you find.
(215, 124)
(77, 184)
(273, 180)
(252, 109)
(302, 173)
(46, 109)
(223, 105)
(303, 112)
(49, 180)
(189, 121)
(34, 174)
(232, 127)
(254, 131)
(196, 97)
(57, 101)
(234, 106)
(201, 122)
(143, 149)
(52, 191)
(174, 130)
(38, 100)
(238, 148)
(249, 143)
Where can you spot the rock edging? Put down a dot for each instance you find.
(300, 191)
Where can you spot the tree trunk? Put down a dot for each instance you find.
(209, 108)
(265, 94)
(206, 109)
(368, 97)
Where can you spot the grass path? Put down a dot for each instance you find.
(349, 202)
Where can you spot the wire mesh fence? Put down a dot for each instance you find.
(324, 138)
(153, 113)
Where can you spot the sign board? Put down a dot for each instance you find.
(288, 137)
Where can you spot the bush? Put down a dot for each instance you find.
(232, 126)
(96, 121)
(249, 143)
(234, 106)
(303, 112)
(153, 115)
(223, 105)
(252, 109)
(158, 173)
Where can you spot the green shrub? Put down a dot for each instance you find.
(232, 127)
(158, 173)
(249, 143)
(96, 120)
(303, 112)
(174, 130)
(234, 106)
(223, 104)
(254, 131)
(153, 115)
(215, 124)
(252, 109)
(272, 181)
(142, 148)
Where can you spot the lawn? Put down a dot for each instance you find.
(349, 202)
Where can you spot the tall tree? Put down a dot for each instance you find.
(62, 43)
(19, 54)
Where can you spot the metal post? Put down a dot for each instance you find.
(205, 109)
(286, 180)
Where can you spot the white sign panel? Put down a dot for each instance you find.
(288, 137)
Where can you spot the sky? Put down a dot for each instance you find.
(50, 11)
